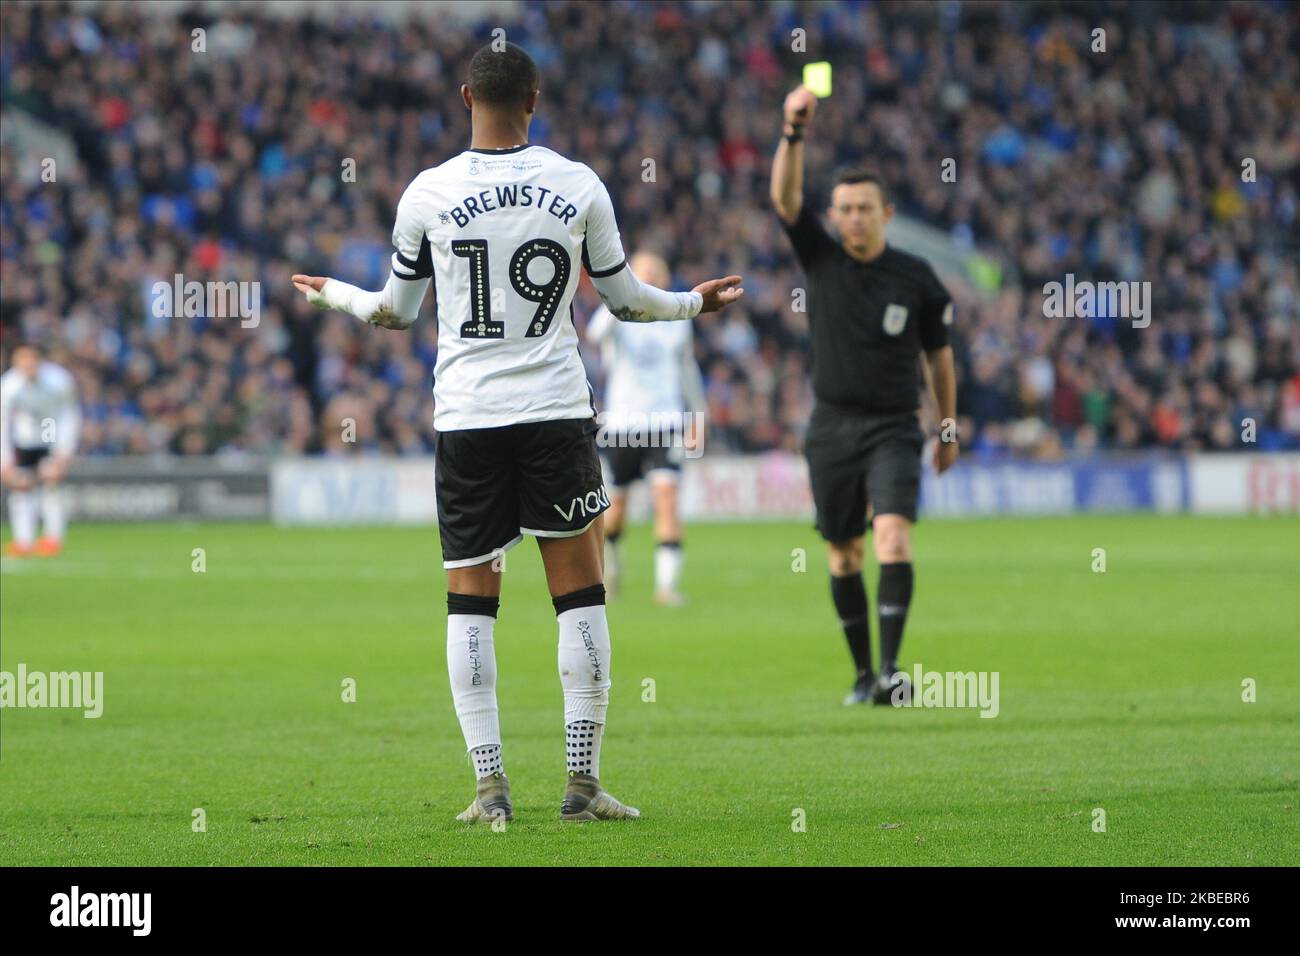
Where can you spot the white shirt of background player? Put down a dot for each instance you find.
(39, 413)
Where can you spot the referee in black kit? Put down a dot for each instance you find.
(873, 311)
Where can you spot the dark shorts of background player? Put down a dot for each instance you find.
(495, 485)
(856, 460)
(628, 464)
(30, 458)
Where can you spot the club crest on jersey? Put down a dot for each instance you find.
(475, 167)
(895, 318)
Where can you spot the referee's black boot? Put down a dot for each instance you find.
(861, 693)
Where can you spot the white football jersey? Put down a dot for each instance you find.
(650, 369)
(504, 234)
(38, 414)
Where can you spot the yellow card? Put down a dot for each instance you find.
(817, 77)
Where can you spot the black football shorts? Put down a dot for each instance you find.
(856, 461)
(628, 463)
(30, 458)
(495, 485)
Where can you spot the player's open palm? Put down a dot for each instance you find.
(718, 293)
(311, 287)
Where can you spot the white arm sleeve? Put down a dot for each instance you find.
(624, 294)
(631, 300)
(397, 305)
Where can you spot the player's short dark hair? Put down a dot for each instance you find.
(852, 177)
(503, 78)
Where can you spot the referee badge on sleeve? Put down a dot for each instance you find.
(895, 318)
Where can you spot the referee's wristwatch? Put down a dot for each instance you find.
(792, 132)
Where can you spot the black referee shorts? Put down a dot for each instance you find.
(495, 485)
(856, 460)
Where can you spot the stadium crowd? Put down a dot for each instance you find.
(1173, 157)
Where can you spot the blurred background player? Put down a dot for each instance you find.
(39, 422)
(654, 402)
(874, 311)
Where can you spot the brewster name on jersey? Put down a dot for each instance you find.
(506, 197)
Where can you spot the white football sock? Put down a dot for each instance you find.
(582, 746)
(472, 667)
(22, 517)
(52, 516)
(584, 655)
(487, 760)
(668, 567)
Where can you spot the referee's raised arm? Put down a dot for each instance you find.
(787, 167)
(872, 312)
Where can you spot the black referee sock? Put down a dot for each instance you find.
(893, 597)
(850, 597)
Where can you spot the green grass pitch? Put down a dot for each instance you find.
(223, 691)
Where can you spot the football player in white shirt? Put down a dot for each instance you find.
(654, 406)
(501, 229)
(39, 424)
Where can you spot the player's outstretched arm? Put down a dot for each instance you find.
(787, 166)
(626, 296)
(631, 300)
(396, 306)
